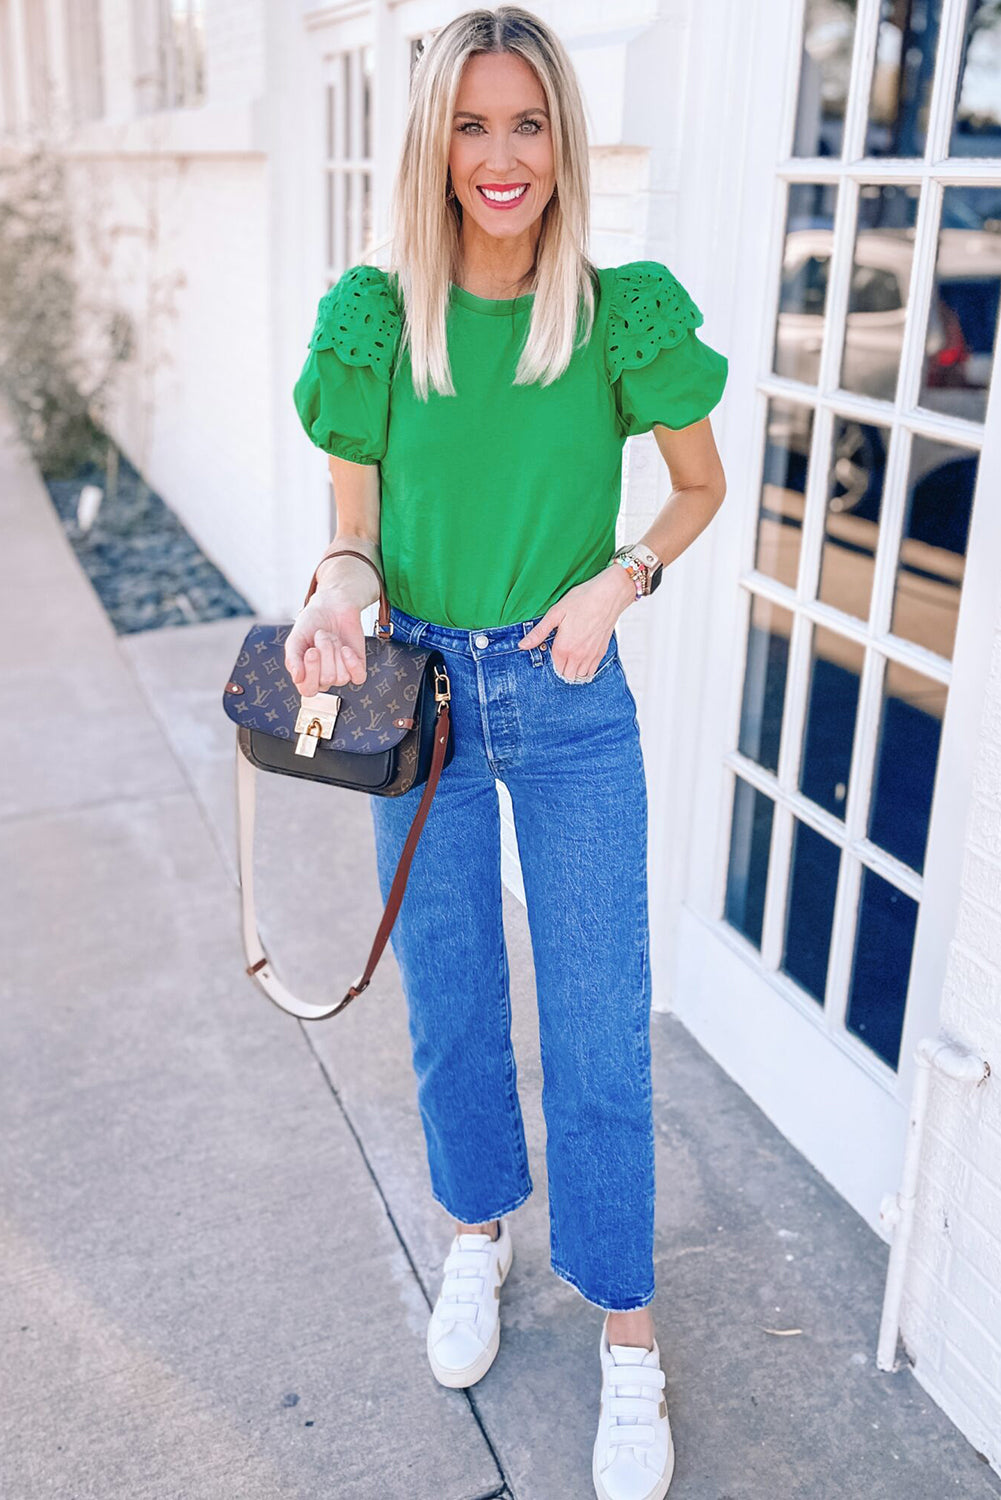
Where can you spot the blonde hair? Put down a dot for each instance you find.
(426, 224)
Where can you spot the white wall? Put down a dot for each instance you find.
(951, 1314)
(171, 216)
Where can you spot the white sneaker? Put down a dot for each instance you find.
(633, 1452)
(464, 1329)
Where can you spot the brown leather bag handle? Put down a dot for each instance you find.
(259, 966)
(385, 624)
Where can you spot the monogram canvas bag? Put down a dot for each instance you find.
(383, 736)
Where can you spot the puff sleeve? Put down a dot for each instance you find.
(342, 393)
(659, 368)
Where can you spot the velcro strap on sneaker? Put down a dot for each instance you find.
(650, 1376)
(637, 1434)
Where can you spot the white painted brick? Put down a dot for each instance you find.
(979, 1246)
(976, 1343)
(945, 1175)
(971, 996)
(978, 928)
(615, 213)
(991, 727)
(981, 1419)
(980, 1298)
(985, 827)
(983, 1204)
(987, 773)
(623, 171)
(981, 879)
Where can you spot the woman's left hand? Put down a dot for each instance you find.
(584, 618)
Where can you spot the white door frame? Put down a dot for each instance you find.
(821, 1089)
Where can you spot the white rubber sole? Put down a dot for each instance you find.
(655, 1494)
(460, 1379)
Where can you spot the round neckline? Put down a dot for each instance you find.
(495, 306)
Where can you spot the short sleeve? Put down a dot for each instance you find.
(342, 393)
(659, 368)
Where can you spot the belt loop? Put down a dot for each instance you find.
(534, 651)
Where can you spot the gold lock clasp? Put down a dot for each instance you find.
(315, 720)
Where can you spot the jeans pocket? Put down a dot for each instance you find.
(611, 652)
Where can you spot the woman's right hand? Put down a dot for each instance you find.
(326, 645)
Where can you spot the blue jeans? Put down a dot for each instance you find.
(569, 754)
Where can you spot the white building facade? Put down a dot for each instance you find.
(819, 677)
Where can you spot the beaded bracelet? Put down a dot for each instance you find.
(634, 570)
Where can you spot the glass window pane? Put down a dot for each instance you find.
(902, 77)
(910, 728)
(813, 884)
(825, 65)
(977, 129)
(368, 65)
(366, 222)
(963, 317)
(831, 708)
(780, 516)
(330, 221)
(350, 218)
(747, 872)
(940, 488)
(764, 682)
(349, 104)
(799, 333)
(851, 524)
(884, 942)
(877, 302)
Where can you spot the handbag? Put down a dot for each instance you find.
(383, 736)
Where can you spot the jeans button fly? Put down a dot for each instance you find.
(482, 640)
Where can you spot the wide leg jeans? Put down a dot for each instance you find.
(569, 754)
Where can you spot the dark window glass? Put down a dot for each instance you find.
(831, 706)
(930, 565)
(783, 487)
(902, 78)
(813, 884)
(877, 303)
(963, 314)
(806, 257)
(977, 128)
(851, 524)
(881, 964)
(910, 728)
(764, 682)
(747, 871)
(825, 64)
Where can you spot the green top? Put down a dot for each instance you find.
(498, 499)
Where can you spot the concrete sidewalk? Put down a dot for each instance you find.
(219, 1249)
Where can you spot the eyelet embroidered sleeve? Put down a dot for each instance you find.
(660, 370)
(342, 393)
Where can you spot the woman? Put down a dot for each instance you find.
(474, 401)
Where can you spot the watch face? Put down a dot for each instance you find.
(654, 577)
